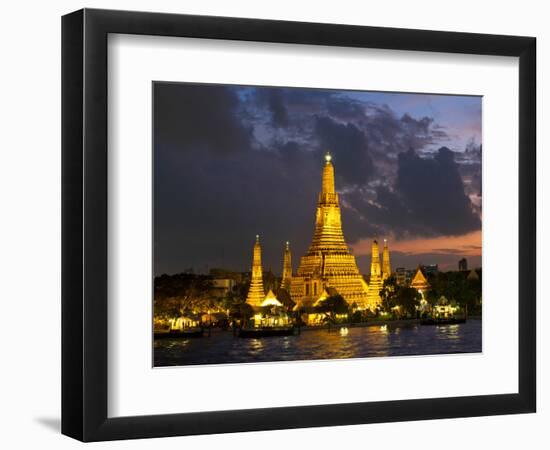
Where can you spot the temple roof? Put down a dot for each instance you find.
(419, 281)
(271, 300)
(284, 297)
(327, 292)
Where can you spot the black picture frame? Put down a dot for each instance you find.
(84, 224)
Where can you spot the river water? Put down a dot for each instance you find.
(361, 342)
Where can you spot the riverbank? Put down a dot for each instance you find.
(397, 338)
(370, 323)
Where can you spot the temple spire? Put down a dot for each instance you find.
(328, 222)
(287, 268)
(256, 292)
(386, 266)
(375, 281)
(375, 259)
(328, 176)
(328, 262)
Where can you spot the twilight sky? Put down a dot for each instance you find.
(233, 161)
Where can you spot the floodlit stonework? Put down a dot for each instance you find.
(328, 262)
(375, 281)
(386, 266)
(419, 282)
(256, 294)
(287, 268)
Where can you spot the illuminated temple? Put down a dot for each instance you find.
(386, 266)
(328, 262)
(287, 268)
(375, 281)
(256, 293)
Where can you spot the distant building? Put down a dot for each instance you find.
(430, 269)
(403, 276)
(217, 273)
(223, 285)
(463, 264)
(419, 282)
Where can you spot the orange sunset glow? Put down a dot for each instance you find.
(465, 245)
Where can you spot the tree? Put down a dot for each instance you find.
(237, 294)
(332, 306)
(387, 293)
(182, 294)
(456, 287)
(241, 311)
(408, 300)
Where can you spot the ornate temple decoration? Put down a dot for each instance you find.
(287, 268)
(328, 262)
(256, 294)
(419, 282)
(375, 281)
(386, 266)
(271, 300)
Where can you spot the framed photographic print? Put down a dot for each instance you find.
(266, 223)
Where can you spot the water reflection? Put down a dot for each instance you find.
(356, 342)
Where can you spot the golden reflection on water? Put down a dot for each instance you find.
(379, 340)
(256, 345)
(357, 342)
(448, 332)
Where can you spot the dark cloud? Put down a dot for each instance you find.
(192, 117)
(348, 144)
(343, 108)
(209, 208)
(277, 107)
(233, 162)
(383, 214)
(433, 193)
(427, 199)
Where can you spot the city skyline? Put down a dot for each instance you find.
(232, 162)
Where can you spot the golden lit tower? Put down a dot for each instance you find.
(375, 282)
(328, 262)
(287, 268)
(386, 266)
(419, 281)
(256, 292)
(375, 260)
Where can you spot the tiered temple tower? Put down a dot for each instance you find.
(256, 294)
(328, 262)
(386, 267)
(375, 282)
(287, 268)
